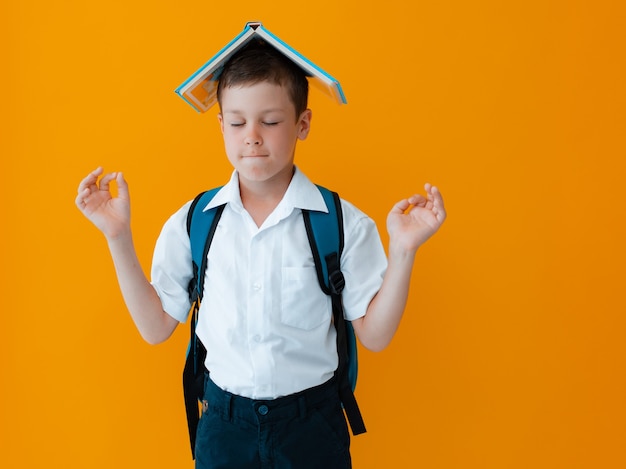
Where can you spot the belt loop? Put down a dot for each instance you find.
(206, 383)
(302, 407)
(227, 407)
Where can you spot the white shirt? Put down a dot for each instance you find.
(264, 320)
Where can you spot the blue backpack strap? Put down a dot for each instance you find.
(201, 226)
(326, 237)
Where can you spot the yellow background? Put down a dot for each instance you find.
(512, 351)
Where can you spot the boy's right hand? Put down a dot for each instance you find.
(111, 215)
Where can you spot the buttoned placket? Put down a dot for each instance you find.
(260, 303)
(257, 319)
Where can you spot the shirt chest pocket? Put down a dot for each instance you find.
(303, 303)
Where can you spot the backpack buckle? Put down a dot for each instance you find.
(336, 282)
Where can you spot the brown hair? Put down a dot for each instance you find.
(258, 62)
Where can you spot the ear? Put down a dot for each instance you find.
(220, 118)
(304, 124)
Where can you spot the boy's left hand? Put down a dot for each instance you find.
(412, 221)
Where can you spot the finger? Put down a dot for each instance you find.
(80, 199)
(418, 200)
(436, 197)
(122, 186)
(401, 206)
(430, 190)
(106, 180)
(90, 179)
(438, 205)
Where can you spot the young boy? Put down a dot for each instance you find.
(272, 400)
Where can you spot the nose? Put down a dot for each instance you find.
(253, 137)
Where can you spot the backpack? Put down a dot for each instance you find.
(325, 235)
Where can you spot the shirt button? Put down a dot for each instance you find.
(256, 286)
(263, 410)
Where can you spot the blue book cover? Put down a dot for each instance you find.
(200, 89)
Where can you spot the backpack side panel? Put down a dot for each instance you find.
(201, 226)
(327, 241)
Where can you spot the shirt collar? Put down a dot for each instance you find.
(301, 193)
(228, 194)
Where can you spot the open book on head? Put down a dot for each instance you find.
(200, 89)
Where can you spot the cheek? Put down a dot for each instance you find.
(229, 145)
(283, 140)
(230, 137)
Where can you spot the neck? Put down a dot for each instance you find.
(260, 198)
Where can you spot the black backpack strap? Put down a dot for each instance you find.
(326, 237)
(201, 226)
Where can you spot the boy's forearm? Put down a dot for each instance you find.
(141, 299)
(376, 329)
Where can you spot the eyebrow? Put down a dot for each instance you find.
(265, 111)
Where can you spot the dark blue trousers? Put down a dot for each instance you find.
(300, 431)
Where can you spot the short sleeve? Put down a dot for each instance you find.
(172, 266)
(363, 261)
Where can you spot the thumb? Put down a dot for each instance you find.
(401, 206)
(122, 186)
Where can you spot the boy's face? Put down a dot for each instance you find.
(260, 131)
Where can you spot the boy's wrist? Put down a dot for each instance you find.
(401, 254)
(118, 238)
